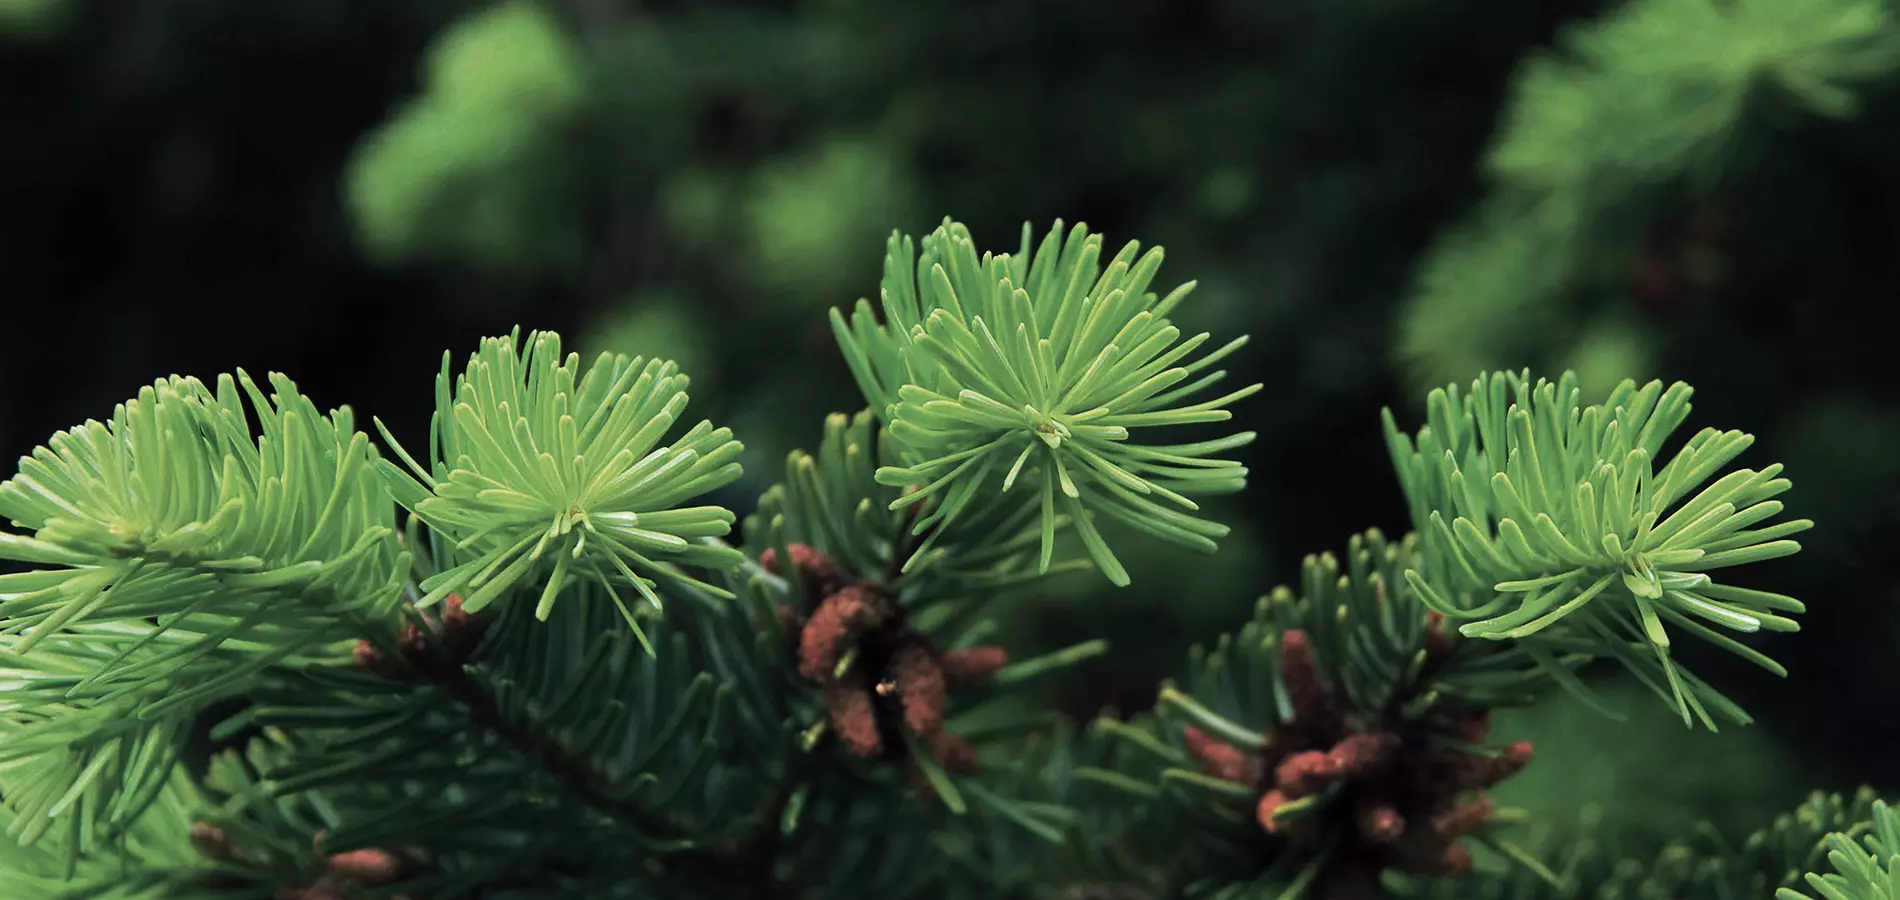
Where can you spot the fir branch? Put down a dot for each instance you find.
(1867, 869)
(1331, 738)
(1008, 368)
(783, 740)
(183, 553)
(1546, 523)
(537, 470)
(157, 861)
(586, 783)
(1711, 864)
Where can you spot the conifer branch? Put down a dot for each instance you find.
(823, 711)
(436, 665)
(1560, 527)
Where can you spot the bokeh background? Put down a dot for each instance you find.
(1388, 195)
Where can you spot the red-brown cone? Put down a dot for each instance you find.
(819, 573)
(368, 866)
(1301, 676)
(1270, 803)
(1221, 760)
(461, 632)
(1397, 793)
(1464, 818)
(973, 664)
(1305, 774)
(834, 627)
(921, 688)
(1363, 753)
(848, 706)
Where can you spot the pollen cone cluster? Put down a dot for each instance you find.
(1397, 795)
(876, 675)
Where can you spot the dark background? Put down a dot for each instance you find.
(341, 189)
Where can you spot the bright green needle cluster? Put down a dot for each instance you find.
(1548, 522)
(1001, 370)
(175, 509)
(540, 472)
(1868, 869)
(176, 486)
(178, 553)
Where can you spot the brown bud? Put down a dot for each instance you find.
(921, 688)
(461, 631)
(1470, 772)
(1362, 753)
(1519, 755)
(1305, 774)
(368, 866)
(367, 657)
(848, 706)
(819, 573)
(1515, 758)
(1221, 760)
(973, 664)
(768, 560)
(1269, 805)
(1300, 672)
(1463, 818)
(834, 626)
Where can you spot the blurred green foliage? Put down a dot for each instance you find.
(806, 212)
(1644, 108)
(475, 169)
(1628, 769)
(30, 19)
(658, 326)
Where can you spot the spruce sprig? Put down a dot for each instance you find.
(176, 505)
(1548, 522)
(1867, 869)
(1343, 723)
(160, 862)
(1713, 862)
(180, 553)
(1001, 369)
(538, 469)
